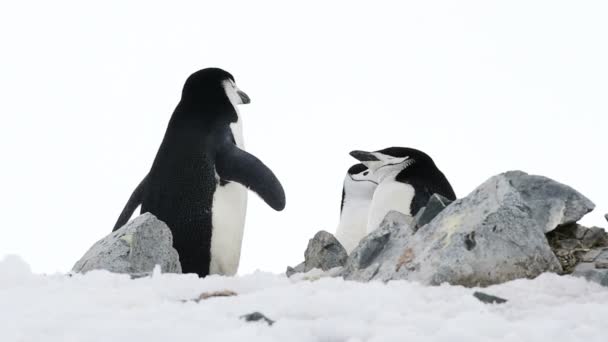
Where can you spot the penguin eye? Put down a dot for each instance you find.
(365, 173)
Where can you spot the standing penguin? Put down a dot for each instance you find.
(406, 177)
(357, 192)
(198, 181)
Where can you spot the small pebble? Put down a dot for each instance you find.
(601, 264)
(255, 317)
(488, 299)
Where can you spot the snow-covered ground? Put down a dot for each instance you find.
(101, 306)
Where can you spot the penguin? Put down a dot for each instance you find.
(357, 192)
(198, 181)
(406, 177)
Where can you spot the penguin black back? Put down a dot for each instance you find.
(423, 175)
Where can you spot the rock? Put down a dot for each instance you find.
(256, 317)
(434, 206)
(359, 264)
(591, 255)
(590, 272)
(567, 259)
(495, 234)
(579, 231)
(606, 217)
(595, 237)
(418, 218)
(574, 243)
(551, 202)
(135, 248)
(569, 244)
(324, 252)
(601, 264)
(293, 270)
(395, 219)
(488, 299)
(568, 231)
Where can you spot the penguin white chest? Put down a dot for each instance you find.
(353, 223)
(228, 220)
(389, 195)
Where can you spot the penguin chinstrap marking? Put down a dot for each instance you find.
(197, 183)
(406, 178)
(357, 192)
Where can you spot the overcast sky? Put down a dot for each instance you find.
(482, 86)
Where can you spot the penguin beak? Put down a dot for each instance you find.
(363, 156)
(244, 97)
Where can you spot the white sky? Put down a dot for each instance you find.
(482, 86)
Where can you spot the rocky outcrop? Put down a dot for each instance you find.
(495, 234)
(136, 249)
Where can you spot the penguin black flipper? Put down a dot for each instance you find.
(134, 201)
(234, 164)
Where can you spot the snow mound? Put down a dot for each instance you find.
(101, 306)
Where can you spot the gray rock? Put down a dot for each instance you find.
(256, 317)
(603, 254)
(551, 202)
(293, 270)
(324, 251)
(135, 249)
(580, 231)
(567, 259)
(591, 255)
(434, 206)
(595, 237)
(488, 299)
(359, 264)
(601, 264)
(590, 272)
(418, 218)
(495, 234)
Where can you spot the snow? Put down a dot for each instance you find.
(101, 306)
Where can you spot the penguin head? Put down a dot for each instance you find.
(212, 87)
(360, 181)
(393, 161)
(359, 184)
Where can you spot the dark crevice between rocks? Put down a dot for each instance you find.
(571, 243)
